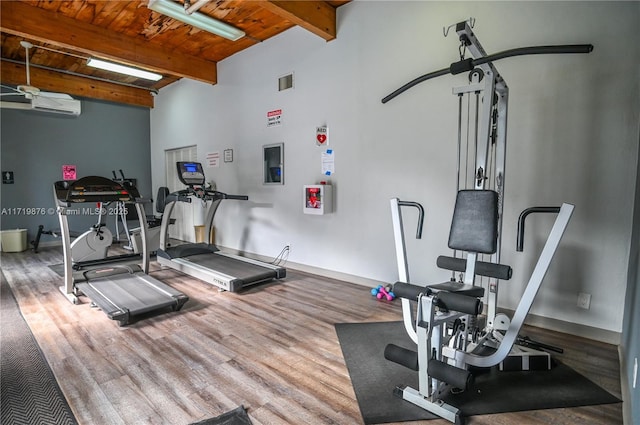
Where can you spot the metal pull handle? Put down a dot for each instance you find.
(523, 215)
(420, 215)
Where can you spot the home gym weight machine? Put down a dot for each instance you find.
(444, 325)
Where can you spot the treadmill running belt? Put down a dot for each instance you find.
(239, 269)
(120, 296)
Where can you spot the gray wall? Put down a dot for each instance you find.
(35, 145)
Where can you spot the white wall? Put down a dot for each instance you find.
(573, 136)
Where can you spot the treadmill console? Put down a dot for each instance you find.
(94, 189)
(190, 173)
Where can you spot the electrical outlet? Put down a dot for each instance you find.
(584, 300)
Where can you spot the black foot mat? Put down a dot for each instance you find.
(374, 378)
(237, 416)
(29, 391)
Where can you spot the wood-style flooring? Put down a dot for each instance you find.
(272, 348)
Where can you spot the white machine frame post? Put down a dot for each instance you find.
(164, 226)
(491, 84)
(401, 257)
(69, 289)
(501, 154)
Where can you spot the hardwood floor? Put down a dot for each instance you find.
(273, 349)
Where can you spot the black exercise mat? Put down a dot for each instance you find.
(237, 416)
(374, 378)
(29, 392)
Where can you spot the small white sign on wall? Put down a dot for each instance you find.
(328, 162)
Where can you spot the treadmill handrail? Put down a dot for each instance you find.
(202, 193)
(227, 196)
(176, 197)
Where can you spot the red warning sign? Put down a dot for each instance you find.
(274, 117)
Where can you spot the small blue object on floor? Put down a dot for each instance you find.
(236, 416)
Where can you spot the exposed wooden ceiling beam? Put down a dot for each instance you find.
(53, 28)
(319, 17)
(46, 80)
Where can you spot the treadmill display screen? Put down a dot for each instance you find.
(190, 173)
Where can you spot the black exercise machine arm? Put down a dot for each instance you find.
(220, 195)
(523, 216)
(185, 195)
(445, 300)
(177, 197)
(469, 64)
(420, 209)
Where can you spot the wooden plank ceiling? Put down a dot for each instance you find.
(128, 32)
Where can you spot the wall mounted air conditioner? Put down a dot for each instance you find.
(56, 105)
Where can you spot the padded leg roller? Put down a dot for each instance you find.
(454, 376)
(409, 291)
(458, 302)
(402, 356)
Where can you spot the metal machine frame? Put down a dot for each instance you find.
(430, 325)
(120, 290)
(199, 259)
(434, 327)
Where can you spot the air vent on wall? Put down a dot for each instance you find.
(285, 82)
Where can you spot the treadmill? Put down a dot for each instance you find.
(205, 261)
(119, 290)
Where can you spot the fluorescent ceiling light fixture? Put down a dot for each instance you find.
(196, 19)
(114, 67)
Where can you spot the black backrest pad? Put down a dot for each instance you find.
(161, 199)
(474, 226)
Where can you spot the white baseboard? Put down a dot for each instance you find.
(370, 283)
(602, 335)
(597, 334)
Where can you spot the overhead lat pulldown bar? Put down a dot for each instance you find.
(470, 63)
(490, 129)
